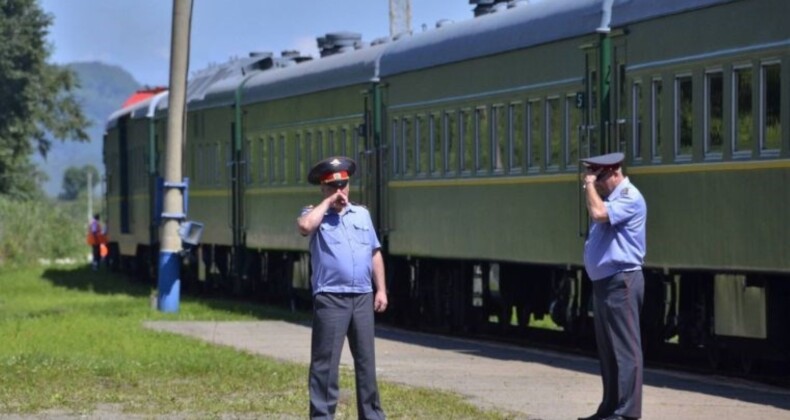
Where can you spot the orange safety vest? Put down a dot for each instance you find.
(95, 236)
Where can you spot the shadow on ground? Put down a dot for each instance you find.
(111, 283)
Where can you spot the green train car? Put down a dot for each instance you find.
(468, 138)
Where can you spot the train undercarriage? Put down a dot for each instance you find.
(731, 322)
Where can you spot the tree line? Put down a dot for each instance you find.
(37, 101)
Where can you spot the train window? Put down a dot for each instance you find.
(436, 146)
(199, 167)
(307, 150)
(742, 102)
(466, 132)
(330, 141)
(770, 108)
(320, 147)
(573, 127)
(262, 163)
(135, 170)
(636, 121)
(499, 138)
(450, 134)
(482, 142)
(283, 159)
(553, 131)
(326, 148)
(684, 116)
(194, 126)
(272, 153)
(396, 144)
(714, 113)
(516, 138)
(356, 143)
(248, 169)
(407, 136)
(656, 91)
(423, 150)
(218, 173)
(299, 163)
(207, 168)
(211, 163)
(341, 142)
(535, 144)
(208, 164)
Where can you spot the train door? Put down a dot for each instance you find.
(590, 132)
(370, 157)
(153, 164)
(604, 98)
(123, 175)
(238, 180)
(619, 102)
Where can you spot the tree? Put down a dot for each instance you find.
(36, 98)
(75, 180)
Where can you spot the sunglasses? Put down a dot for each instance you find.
(337, 184)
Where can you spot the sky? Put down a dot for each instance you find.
(135, 34)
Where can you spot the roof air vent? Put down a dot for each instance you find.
(443, 22)
(379, 41)
(338, 42)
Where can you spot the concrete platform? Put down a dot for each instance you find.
(536, 384)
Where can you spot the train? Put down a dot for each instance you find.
(468, 138)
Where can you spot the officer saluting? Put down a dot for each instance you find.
(346, 263)
(613, 256)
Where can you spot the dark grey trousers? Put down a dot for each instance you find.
(335, 316)
(618, 304)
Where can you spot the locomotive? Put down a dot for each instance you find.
(468, 138)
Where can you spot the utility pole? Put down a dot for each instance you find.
(169, 285)
(400, 17)
(90, 196)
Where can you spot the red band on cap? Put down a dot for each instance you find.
(335, 176)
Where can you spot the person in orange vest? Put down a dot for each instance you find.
(95, 240)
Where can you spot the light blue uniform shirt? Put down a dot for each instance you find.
(341, 251)
(619, 244)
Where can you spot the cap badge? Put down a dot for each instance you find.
(334, 162)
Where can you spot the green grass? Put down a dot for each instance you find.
(73, 342)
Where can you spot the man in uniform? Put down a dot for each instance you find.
(345, 255)
(95, 240)
(613, 256)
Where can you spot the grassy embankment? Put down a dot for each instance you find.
(73, 342)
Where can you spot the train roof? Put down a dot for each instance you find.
(493, 33)
(202, 81)
(267, 78)
(344, 69)
(139, 109)
(632, 11)
(523, 27)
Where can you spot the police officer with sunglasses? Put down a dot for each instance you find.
(348, 286)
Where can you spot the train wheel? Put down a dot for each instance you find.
(715, 354)
(746, 363)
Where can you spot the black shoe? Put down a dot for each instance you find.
(593, 417)
(619, 417)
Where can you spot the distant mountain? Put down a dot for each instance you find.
(103, 90)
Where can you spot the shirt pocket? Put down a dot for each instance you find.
(331, 233)
(362, 233)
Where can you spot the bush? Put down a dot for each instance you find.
(41, 229)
